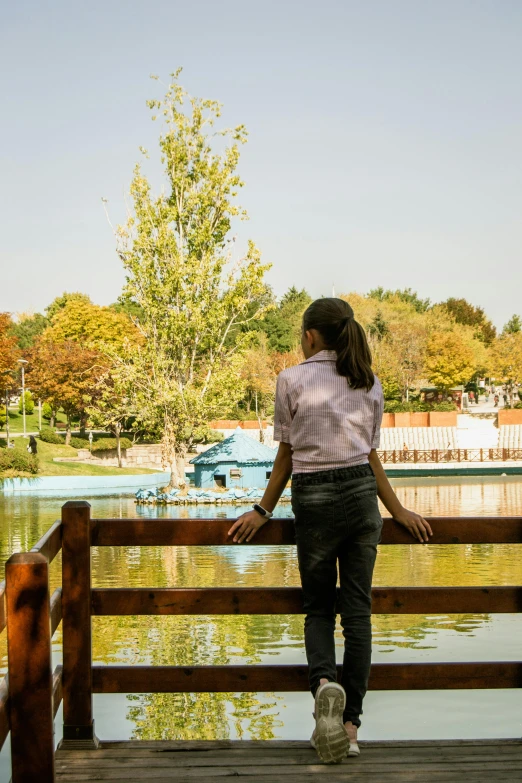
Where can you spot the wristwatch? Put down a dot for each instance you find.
(260, 510)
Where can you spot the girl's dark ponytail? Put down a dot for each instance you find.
(335, 322)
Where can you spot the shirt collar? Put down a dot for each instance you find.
(322, 356)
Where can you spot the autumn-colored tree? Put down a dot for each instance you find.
(282, 361)
(9, 353)
(402, 295)
(259, 371)
(507, 357)
(65, 375)
(259, 375)
(62, 301)
(398, 325)
(113, 403)
(449, 361)
(387, 365)
(93, 326)
(177, 252)
(467, 314)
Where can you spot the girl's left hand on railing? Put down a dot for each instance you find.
(246, 526)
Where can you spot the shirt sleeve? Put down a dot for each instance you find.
(282, 413)
(377, 418)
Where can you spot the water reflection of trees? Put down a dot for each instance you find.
(458, 496)
(411, 631)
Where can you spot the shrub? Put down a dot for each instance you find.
(18, 461)
(79, 443)
(518, 405)
(106, 444)
(48, 436)
(444, 407)
(206, 434)
(29, 403)
(416, 406)
(47, 411)
(2, 418)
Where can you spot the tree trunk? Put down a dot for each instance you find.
(83, 424)
(51, 420)
(176, 464)
(259, 415)
(173, 456)
(117, 435)
(68, 431)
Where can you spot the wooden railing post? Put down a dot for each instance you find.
(30, 672)
(78, 723)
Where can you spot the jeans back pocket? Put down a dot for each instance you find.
(368, 510)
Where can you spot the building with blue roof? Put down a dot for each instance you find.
(238, 461)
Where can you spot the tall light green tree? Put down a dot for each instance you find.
(449, 360)
(190, 287)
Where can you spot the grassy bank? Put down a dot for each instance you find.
(16, 421)
(48, 451)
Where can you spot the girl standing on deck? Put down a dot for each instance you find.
(327, 420)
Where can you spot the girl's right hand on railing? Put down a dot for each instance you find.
(246, 526)
(414, 524)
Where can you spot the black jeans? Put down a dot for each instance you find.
(337, 520)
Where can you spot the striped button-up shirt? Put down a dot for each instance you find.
(327, 423)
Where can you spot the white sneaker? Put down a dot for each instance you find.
(353, 749)
(330, 739)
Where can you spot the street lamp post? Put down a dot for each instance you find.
(23, 362)
(5, 373)
(7, 415)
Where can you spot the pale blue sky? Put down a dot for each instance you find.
(385, 138)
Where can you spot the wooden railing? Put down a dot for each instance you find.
(30, 696)
(449, 455)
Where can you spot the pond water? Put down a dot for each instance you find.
(279, 639)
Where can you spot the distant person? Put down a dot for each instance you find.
(471, 397)
(496, 398)
(505, 398)
(33, 446)
(11, 444)
(486, 395)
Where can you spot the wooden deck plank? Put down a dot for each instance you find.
(335, 775)
(206, 758)
(276, 761)
(327, 773)
(227, 744)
